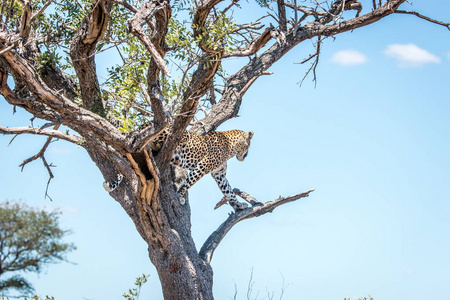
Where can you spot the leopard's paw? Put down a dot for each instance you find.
(238, 205)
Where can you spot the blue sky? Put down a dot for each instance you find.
(372, 138)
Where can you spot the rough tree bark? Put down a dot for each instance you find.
(148, 190)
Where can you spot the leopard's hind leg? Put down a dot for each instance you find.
(193, 176)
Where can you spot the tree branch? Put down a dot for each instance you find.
(41, 11)
(315, 62)
(82, 49)
(57, 106)
(137, 140)
(408, 12)
(255, 45)
(207, 250)
(158, 103)
(237, 84)
(199, 20)
(53, 133)
(25, 22)
(135, 24)
(308, 12)
(126, 5)
(40, 155)
(282, 15)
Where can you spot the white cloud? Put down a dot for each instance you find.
(349, 58)
(410, 55)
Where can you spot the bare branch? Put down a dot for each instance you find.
(282, 15)
(53, 133)
(296, 21)
(83, 46)
(423, 17)
(145, 93)
(40, 155)
(315, 62)
(25, 26)
(50, 173)
(309, 12)
(255, 45)
(255, 25)
(241, 194)
(9, 48)
(137, 140)
(207, 250)
(233, 2)
(158, 103)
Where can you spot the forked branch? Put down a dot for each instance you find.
(207, 250)
(40, 155)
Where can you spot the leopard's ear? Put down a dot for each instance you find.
(250, 134)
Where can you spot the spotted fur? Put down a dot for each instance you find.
(109, 187)
(205, 154)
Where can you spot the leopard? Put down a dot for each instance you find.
(203, 154)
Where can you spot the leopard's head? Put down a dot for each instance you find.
(244, 144)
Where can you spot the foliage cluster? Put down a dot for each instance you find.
(122, 88)
(29, 239)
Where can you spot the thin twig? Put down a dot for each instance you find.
(12, 139)
(40, 155)
(9, 48)
(126, 5)
(315, 63)
(409, 12)
(40, 11)
(49, 179)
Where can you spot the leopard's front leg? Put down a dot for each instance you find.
(219, 176)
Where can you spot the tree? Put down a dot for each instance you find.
(29, 240)
(114, 122)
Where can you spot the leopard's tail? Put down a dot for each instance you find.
(109, 187)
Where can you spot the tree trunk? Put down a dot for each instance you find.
(160, 219)
(183, 274)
